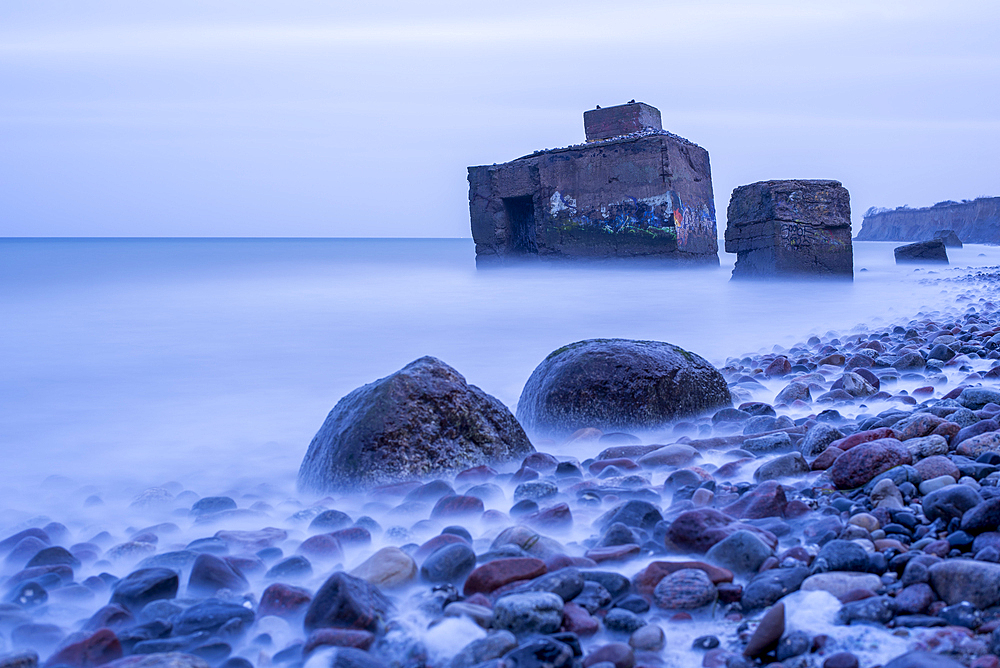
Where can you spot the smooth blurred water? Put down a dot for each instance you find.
(212, 359)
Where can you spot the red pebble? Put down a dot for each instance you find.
(100, 648)
(283, 600)
(494, 574)
(985, 661)
(577, 620)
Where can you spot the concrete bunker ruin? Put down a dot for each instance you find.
(798, 227)
(632, 190)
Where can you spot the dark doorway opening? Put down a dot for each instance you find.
(521, 217)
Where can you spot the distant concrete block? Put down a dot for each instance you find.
(949, 238)
(622, 119)
(795, 227)
(922, 252)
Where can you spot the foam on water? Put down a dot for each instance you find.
(815, 612)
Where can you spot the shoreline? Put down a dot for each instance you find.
(161, 521)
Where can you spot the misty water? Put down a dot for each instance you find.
(204, 367)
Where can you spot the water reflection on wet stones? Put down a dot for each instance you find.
(830, 477)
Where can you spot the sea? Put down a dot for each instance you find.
(209, 364)
(186, 357)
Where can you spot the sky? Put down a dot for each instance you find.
(327, 119)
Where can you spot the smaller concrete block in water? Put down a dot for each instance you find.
(922, 252)
(790, 228)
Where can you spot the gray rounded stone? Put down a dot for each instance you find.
(618, 385)
(742, 552)
(685, 589)
(421, 420)
(532, 612)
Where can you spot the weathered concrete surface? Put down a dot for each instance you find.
(423, 419)
(797, 227)
(949, 238)
(644, 195)
(922, 252)
(973, 221)
(620, 120)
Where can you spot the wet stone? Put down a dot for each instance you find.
(634, 513)
(878, 609)
(51, 556)
(620, 620)
(457, 506)
(593, 597)
(961, 614)
(294, 567)
(742, 553)
(818, 439)
(111, 616)
(19, 660)
(615, 584)
(768, 632)
(791, 464)
(212, 504)
(330, 520)
(182, 643)
(793, 644)
(497, 573)
(531, 612)
(492, 646)
(541, 653)
(577, 620)
(863, 462)
(616, 654)
(100, 648)
(450, 563)
(686, 589)
(770, 586)
(24, 550)
(612, 553)
(337, 638)
(387, 568)
(957, 580)
(210, 615)
(921, 659)
(141, 587)
(771, 443)
(209, 574)
(535, 490)
(160, 609)
(840, 555)
(282, 600)
(567, 583)
(950, 502)
(345, 601)
(648, 638)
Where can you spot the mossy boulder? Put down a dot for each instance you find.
(618, 384)
(421, 421)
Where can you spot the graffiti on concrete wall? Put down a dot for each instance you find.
(652, 216)
(659, 217)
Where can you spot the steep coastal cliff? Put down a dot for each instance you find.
(974, 221)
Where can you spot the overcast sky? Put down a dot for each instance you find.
(294, 118)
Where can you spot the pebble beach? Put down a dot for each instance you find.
(843, 513)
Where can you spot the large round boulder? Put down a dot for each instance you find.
(420, 421)
(618, 385)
